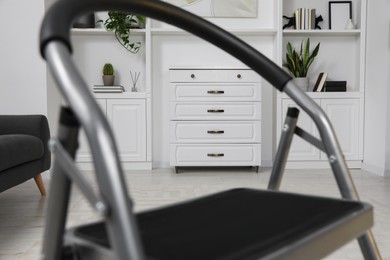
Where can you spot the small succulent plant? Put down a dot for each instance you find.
(108, 69)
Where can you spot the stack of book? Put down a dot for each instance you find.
(335, 86)
(108, 89)
(305, 19)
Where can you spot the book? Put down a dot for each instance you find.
(335, 86)
(108, 89)
(336, 83)
(335, 89)
(305, 18)
(297, 20)
(319, 86)
(313, 19)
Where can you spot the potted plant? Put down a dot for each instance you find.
(299, 63)
(108, 74)
(121, 23)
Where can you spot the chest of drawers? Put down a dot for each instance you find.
(215, 117)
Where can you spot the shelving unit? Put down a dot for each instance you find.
(325, 32)
(129, 113)
(342, 56)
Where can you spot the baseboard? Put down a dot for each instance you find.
(266, 164)
(161, 165)
(375, 170)
(319, 164)
(127, 166)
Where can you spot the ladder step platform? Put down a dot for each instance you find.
(240, 224)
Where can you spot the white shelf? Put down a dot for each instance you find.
(321, 32)
(127, 95)
(176, 31)
(170, 31)
(101, 31)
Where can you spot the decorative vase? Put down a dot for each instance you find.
(108, 80)
(349, 25)
(302, 83)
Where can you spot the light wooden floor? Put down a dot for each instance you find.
(22, 208)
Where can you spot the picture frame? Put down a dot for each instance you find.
(339, 14)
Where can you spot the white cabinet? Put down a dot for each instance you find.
(342, 57)
(127, 117)
(215, 117)
(300, 149)
(346, 117)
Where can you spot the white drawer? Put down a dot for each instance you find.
(215, 155)
(213, 75)
(215, 110)
(215, 92)
(215, 132)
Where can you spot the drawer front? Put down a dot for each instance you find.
(213, 75)
(215, 111)
(215, 155)
(215, 92)
(215, 132)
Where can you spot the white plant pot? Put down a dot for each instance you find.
(108, 80)
(302, 83)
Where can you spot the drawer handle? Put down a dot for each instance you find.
(215, 131)
(239, 76)
(215, 155)
(215, 92)
(215, 110)
(192, 76)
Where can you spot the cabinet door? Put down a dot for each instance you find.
(300, 149)
(127, 119)
(344, 116)
(83, 152)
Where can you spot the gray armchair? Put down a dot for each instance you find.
(24, 152)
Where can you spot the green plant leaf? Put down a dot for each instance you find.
(120, 23)
(299, 63)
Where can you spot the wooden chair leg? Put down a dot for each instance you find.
(40, 184)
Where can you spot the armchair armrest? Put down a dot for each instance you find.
(35, 125)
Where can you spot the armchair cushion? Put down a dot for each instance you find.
(17, 149)
(33, 125)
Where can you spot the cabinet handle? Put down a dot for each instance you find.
(192, 76)
(215, 110)
(215, 92)
(215, 155)
(215, 131)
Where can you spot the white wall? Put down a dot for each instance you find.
(377, 109)
(22, 70)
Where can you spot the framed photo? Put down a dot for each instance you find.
(339, 14)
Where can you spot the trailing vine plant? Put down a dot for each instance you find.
(121, 23)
